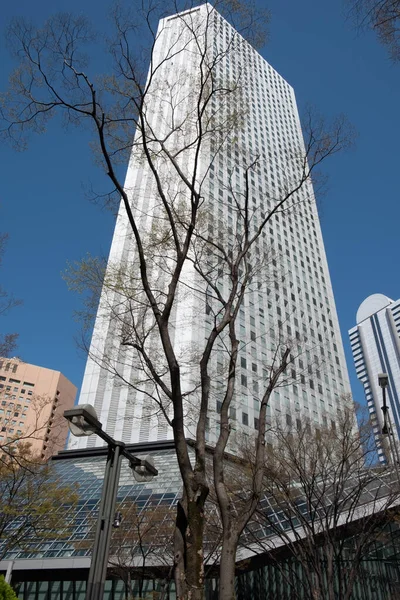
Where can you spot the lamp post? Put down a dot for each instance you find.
(82, 420)
(383, 380)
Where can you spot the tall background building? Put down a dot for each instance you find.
(32, 403)
(291, 294)
(375, 343)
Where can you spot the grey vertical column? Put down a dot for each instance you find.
(98, 566)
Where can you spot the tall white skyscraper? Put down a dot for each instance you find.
(375, 343)
(252, 158)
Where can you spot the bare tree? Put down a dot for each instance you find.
(182, 255)
(34, 505)
(327, 504)
(8, 341)
(33, 422)
(383, 17)
(142, 546)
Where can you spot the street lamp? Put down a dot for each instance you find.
(82, 420)
(383, 380)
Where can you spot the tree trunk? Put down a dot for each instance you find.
(317, 589)
(180, 550)
(194, 550)
(188, 548)
(227, 568)
(330, 574)
(129, 587)
(141, 577)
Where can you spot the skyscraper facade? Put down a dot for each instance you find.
(251, 158)
(375, 343)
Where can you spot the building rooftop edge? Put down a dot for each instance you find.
(372, 305)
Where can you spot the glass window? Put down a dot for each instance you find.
(55, 593)
(68, 590)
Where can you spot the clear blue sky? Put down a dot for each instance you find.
(44, 209)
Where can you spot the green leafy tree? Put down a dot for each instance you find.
(6, 591)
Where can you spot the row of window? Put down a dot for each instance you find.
(8, 391)
(12, 380)
(8, 366)
(288, 419)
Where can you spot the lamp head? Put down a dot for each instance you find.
(82, 420)
(142, 472)
(117, 519)
(385, 429)
(383, 380)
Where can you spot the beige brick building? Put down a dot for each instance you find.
(32, 402)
